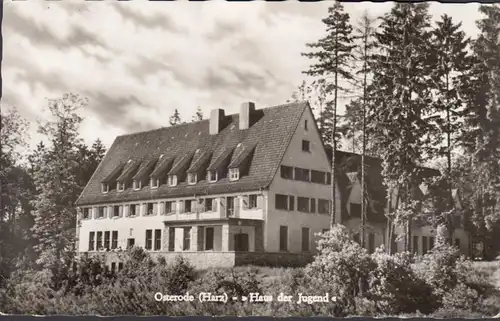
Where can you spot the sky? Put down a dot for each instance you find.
(137, 61)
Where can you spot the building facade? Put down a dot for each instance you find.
(248, 188)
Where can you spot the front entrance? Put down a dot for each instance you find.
(241, 243)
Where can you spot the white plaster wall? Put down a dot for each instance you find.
(294, 156)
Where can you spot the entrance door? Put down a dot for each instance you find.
(241, 242)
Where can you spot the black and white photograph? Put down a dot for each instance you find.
(250, 158)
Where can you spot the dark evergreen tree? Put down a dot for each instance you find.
(197, 116)
(450, 68)
(333, 56)
(175, 119)
(401, 71)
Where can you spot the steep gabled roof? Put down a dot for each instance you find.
(181, 163)
(348, 163)
(270, 133)
(241, 154)
(200, 160)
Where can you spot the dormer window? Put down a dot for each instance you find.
(234, 174)
(192, 178)
(154, 182)
(104, 188)
(120, 186)
(172, 180)
(137, 185)
(212, 176)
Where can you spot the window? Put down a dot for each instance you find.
(150, 208)
(286, 172)
(113, 266)
(120, 266)
(302, 174)
(252, 201)
(120, 186)
(431, 243)
(102, 211)
(303, 204)
(230, 206)
(313, 205)
(234, 174)
(318, 177)
(328, 178)
(130, 243)
(424, 244)
(323, 206)
(305, 146)
(209, 204)
(172, 180)
(137, 185)
(171, 239)
(305, 124)
(209, 238)
(415, 244)
(188, 206)
(116, 211)
(325, 230)
(133, 210)
(114, 240)
(85, 213)
(371, 242)
(157, 240)
(107, 240)
(283, 238)
(186, 240)
(457, 243)
(104, 187)
(192, 178)
(99, 241)
(169, 208)
(355, 210)
(91, 241)
(284, 202)
(212, 176)
(154, 182)
(149, 240)
(305, 239)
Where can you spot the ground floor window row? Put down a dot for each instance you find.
(250, 201)
(304, 204)
(305, 234)
(100, 240)
(423, 244)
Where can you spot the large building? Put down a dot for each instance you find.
(248, 188)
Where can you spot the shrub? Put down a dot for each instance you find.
(340, 268)
(395, 288)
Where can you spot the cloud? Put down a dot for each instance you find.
(138, 61)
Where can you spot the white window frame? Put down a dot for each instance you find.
(135, 183)
(211, 175)
(89, 215)
(192, 178)
(256, 201)
(120, 186)
(172, 180)
(234, 174)
(152, 181)
(104, 188)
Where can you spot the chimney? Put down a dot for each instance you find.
(216, 119)
(246, 111)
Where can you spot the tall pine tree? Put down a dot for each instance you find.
(401, 70)
(175, 119)
(333, 56)
(451, 63)
(58, 186)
